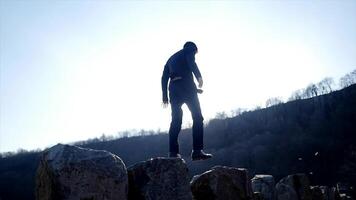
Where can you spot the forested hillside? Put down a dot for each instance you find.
(315, 136)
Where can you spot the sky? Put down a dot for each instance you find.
(75, 69)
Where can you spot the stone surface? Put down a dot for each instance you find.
(159, 179)
(222, 183)
(327, 193)
(317, 193)
(345, 197)
(257, 196)
(344, 190)
(294, 187)
(70, 172)
(330, 193)
(334, 194)
(265, 185)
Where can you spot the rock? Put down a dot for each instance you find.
(344, 190)
(71, 172)
(317, 193)
(325, 190)
(257, 196)
(159, 179)
(286, 192)
(222, 183)
(294, 187)
(265, 185)
(345, 197)
(326, 193)
(333, 194)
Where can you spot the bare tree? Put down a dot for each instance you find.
(21, 151)
(348, 79)
(221, 115)
(325, 86)
(311, 91)
(308, 92)
(237, 112)
(329, 82)
(103, 137)
(124, 134)
(273, 101)
(353, 74)
(298, 94)
(314, 89)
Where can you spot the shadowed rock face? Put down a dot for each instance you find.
(294, 187)
(265, 185)
(316, 192)
(159, 179)
(324, 193)
(333, 194)
(70, 172)
(222, 183)
(257, 196)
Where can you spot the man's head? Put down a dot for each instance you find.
(190, 46)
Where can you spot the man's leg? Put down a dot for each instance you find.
(194, 107)
(175, 127)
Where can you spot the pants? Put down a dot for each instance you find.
(180, 93)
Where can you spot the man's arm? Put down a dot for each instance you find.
(194, 67)
(164, 82)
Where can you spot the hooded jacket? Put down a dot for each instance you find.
(181, 64)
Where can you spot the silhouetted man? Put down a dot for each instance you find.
(182, 89)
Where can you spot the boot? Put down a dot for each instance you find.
(200, 155)
(174, 155)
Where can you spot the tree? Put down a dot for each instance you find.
(325, 86)
(21, 151)
(221, 115)
(298, 94)
(311, 91)
(237, 112)
(273, 101)
(348, 79)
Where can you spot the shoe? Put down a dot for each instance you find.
(174, 155)
(200, 155)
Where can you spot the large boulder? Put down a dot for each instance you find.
(222, 183)
(70, 172)
(265, 185)
(294, 187)
(159, 179)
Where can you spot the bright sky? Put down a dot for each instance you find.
(72, 70)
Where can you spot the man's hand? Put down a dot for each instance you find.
(200, 82)
(165, 104)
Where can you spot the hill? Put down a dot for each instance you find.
(315, 136)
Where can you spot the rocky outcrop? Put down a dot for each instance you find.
(70, 172)
(222, 183)
(159, 179)
(265, 185)
(294, 187)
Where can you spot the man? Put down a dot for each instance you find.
(182, 89)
